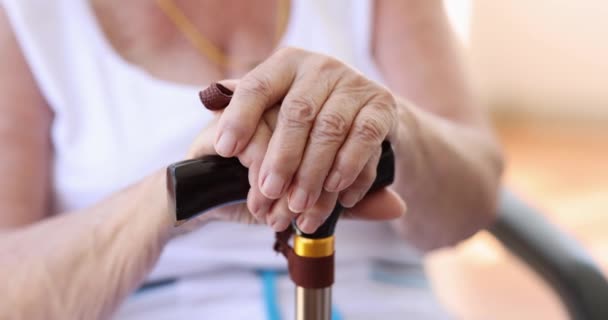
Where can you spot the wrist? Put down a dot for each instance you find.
(406, 138)
(154, 204)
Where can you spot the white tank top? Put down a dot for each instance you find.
(115, 124)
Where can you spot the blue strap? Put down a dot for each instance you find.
(269, 287)
(269, 281)
(335, 314)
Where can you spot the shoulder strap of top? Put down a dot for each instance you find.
(52, 40)
(362, 15)
(36, 27)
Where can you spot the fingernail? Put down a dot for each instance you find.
(262, 209)
(304, 224)
(298, 202)
(226, 144)
(333, 182)
(273, 185)
(280, 224)
(350, 198)
(309, 225)
(273, 225)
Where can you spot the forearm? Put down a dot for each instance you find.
(448, 162)
(81, 265)
(448, 174)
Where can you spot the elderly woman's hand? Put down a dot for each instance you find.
(383, 204)
(326, 140)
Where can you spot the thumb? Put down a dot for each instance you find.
(203, 143)
(229, 84)
(384, 204)
(233, 213)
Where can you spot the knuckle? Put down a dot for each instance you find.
(326, 69)
(384, 114)
(348, 99)
(384, 104)
(245, 159)
(283, 161)
(348, 167)
(291, 55)
(327, 64)
(287, 51)
(326, 209)
(370, 130)
(359, 81)
(326, 84)
(298, 111)
(257, 85)
(321, 212)
(236, 127)
(330, 126)
(365, 179)
(385, 96)
(281, 211)
(352, 84)
(249, 157)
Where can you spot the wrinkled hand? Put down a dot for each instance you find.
(320, 146)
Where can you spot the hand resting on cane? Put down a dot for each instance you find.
(110, 247)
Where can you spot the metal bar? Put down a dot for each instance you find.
(313, 304)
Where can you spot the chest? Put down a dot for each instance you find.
(115, 122)
(195, 42)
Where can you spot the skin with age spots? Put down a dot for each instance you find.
(326, 144)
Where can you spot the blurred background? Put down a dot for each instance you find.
(541, 68)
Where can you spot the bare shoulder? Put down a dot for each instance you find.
(15, 74)
(407, 27)
(24, 136)
(418, 55)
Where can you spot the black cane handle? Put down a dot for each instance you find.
(198, 185)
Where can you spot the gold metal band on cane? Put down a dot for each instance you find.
(313, 248)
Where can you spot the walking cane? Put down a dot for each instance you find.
(198, 185)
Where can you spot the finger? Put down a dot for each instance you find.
(260, 214)
(254, 152)
(229, 84)
(384, 204)
(356, 191)
(329, 131)
(296, 117)
(203, 143)
(371, 126)
(271, 117)
(257, 203)
(232, 213)
(310, 220)
(260, 89)
(252, 157)
(280, 217)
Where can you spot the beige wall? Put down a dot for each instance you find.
(542, 57)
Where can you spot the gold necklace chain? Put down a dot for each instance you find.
(203, 45)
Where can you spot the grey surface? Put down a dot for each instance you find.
(555, 256)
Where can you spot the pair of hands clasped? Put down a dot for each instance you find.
(320, 146)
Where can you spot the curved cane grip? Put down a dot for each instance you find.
(198, 185)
